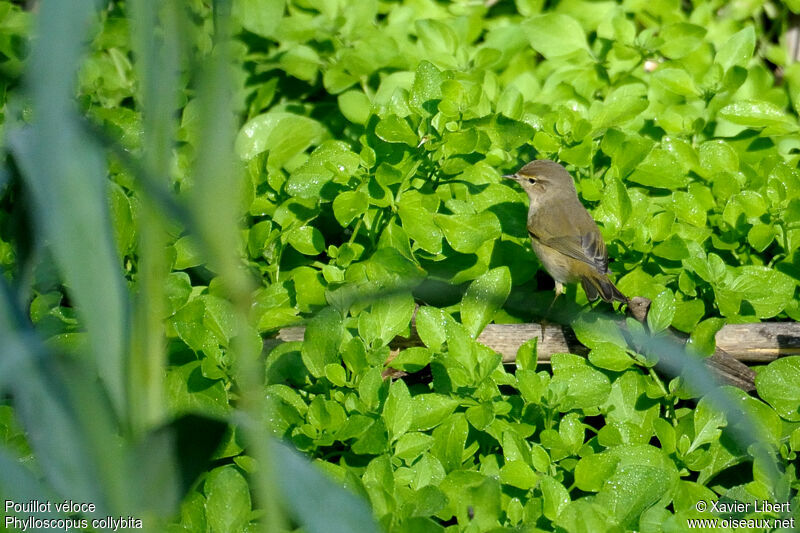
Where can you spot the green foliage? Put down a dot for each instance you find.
(358, 175)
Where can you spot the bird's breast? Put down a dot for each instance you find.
(561, 267)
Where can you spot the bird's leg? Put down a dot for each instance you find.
(559, 291)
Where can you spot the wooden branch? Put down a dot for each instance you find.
(748, 343)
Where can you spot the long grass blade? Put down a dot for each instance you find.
(65, 172)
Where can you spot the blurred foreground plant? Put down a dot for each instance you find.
(93, 406)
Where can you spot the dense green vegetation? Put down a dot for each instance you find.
(201, 176)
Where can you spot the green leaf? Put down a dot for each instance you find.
(519, 475)
(759, 114)
(585, 387)
(355, 106)
(527, 355)
(467, 233)
(321, 341)
(177, 288)
(302, 62)
(426, 86)
(432, 326)
(554, 35)
(688, 208)
(448, 441)
(186, 253)
(282, 134)
(259, 17)
(437, 37)
(411, 359)
(412, 445)
(738, 49)
(419, 224)
(674, 249)
(660, 169)
(394, 129)
(760, 236)
(662, 311)
(592, 330)
(555, 497)
(388, 317)
(348, 206)
(228, 503)
(430, 410)
(620, 106)
(480, 416)
(688, 314)
(643, 476)
(397, 410)
(703, 337)
(484, 297)
(708, 422)
(681, 39)
(610, 356)
(750, 282)
(718, 156)
(676, 80)
(310, 288)
(779, 385)
(592, 471)
(307, 240)
(188, 391)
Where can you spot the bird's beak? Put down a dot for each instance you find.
(510, 176)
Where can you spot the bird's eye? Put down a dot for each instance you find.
(531, 180)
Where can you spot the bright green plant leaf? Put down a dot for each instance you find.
(466, 233)
(610, 356)
(430, 410)
(307, 240)
(483, 298)
(227, 499)
(758, 114)
(738, 49)
(643, 476)
(518, 474)
(662, 312)
(388, 316)
(321, 342)
(348, 206)
(394, 129)
(555, 497)
(397, 414)
(261, 18)
(760, 236)
(585, 386)
(355, 106)
(707, 423)
(778, 385)
(681, 39)
(527, 355)
(437, 37)
(448, 441)
(621, 105)
(676, 80)
(281, 133)
(432, 326)
(554, 35)
(659, 169)
(411, 359)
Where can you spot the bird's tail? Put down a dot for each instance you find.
(601, 286)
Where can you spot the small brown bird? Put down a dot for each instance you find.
(564, 236)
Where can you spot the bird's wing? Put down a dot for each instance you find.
(584, 245)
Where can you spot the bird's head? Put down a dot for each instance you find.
(543, 176)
